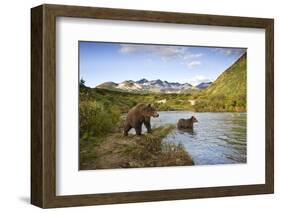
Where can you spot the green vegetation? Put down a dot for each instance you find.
(227, 93)
(125, 100)
(96, 120)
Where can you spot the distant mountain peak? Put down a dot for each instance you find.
(128, 82)
(203, 85)
(141, 81)
(107, 85)
(144, 85)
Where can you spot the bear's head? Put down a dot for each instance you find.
(193, 119)
(149, 111)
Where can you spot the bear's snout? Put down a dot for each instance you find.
(156, 115)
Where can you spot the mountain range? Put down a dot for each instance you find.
(156, 86)
(231, 83)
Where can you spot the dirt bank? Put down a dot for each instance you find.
(118, 151)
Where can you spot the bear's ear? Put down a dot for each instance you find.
(149, 105)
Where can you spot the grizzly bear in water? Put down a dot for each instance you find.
(138, 115)
(186, 123)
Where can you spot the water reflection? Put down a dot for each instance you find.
(187, 131)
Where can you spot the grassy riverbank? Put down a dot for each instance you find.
(116, 151)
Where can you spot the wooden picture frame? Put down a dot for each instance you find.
(43, 105)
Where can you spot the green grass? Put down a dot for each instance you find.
(87, 150)
(161, 132)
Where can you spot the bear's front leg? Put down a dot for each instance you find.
(148, 126)
(138, 129)
(127, 128)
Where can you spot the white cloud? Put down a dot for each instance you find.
(230, 51)
(193, 64)
(199, 79)
(189, 55)
(163, 51)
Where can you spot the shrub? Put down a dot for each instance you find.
(96, 120)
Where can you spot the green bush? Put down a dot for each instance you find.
(96, 120)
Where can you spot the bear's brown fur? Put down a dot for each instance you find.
(138, 115)
(186, 123)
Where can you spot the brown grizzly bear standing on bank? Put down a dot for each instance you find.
(138, 115)
(186, 123)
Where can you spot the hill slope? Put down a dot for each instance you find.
(228, 91)
(231, 82)
(108, 85)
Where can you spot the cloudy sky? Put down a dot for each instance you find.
(101, 62)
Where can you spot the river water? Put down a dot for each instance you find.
(218, 138)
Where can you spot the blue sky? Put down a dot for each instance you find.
(101, 62)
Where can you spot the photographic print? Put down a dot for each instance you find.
(155, 105)
(147, 115)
